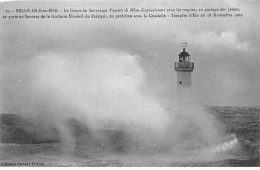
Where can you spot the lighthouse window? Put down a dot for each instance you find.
(180, 82)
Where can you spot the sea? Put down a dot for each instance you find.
(242, 122)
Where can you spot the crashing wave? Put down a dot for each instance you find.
(227, 144)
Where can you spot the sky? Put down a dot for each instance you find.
(35, 54)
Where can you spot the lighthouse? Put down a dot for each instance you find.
(184, 68)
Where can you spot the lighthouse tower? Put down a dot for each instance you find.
(184, 68)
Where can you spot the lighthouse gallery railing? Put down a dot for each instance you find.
(185, 65)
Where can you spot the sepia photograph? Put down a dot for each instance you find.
(137, 83)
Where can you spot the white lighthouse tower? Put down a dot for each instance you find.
(184, 68)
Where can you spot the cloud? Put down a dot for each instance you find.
(232, 3)
(225, 39)
(230, 39)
